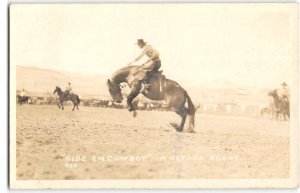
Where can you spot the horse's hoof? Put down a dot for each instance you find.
(134, 113)
(130, 109)
(174, 125)
(179, 129)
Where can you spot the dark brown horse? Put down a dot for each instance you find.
(160, 89)
(281, 106)
(63, 97)
(23, 99)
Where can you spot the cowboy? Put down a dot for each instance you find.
(22, 94)
(284, 92)
(151, 65)
(68, 89)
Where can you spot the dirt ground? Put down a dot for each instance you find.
(103, 143)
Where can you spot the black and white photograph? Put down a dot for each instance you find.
(153, 95)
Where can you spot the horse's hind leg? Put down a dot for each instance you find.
(191, 123)
(73, 107)
(183, 113)
(77, 106)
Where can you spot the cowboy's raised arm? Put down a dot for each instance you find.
(140, 56)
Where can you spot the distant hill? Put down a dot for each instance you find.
(43, 81)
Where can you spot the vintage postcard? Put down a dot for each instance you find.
(154, 95)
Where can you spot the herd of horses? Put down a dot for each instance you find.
(161, 88)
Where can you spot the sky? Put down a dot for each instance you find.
(247, 44)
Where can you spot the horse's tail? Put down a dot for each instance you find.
(191, 106)
(191, 110)
(78, 100)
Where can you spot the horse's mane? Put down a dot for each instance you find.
(125, 68)
(58, 88)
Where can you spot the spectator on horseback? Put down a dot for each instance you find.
(23, 93)
(68, 89)
(284, 92)
(151, 65)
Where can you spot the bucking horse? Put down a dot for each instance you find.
(63, 97)
(161, 89)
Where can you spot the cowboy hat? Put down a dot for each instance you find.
(140, 41)
(283, 84)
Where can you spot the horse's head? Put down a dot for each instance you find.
(57, 89)
(273, 93)
(114, 91)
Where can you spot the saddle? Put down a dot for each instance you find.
(156, 74)
(141, 74)
(67, 94)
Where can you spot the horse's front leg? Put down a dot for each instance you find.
(58, 105)
(135, 90)
(285, 115)
(62, 105)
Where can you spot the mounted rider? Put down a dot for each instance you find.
(22, 94)
(284, 92)
(68, 90)
(150, 66)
